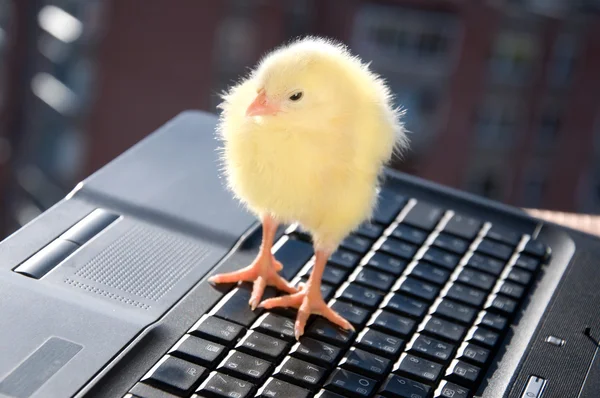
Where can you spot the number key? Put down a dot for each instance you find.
(431, 348)
(418, 368)
(364, 362)
(380, 343)
(350, 384)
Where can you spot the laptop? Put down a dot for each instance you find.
(106, 294)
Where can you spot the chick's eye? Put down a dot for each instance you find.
(296, 96)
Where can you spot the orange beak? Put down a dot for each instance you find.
(261, 106)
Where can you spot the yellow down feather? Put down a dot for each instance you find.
(319, 160)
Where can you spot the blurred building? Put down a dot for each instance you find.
(502, 96)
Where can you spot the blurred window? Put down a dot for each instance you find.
(562, 63)
(497, 122)
(512, 57)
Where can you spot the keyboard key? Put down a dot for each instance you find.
(492, 321)
(424, 216)
(536, 248)
(386, 263)
(430, 273)
(419, 289)
(327, 291)
(344, 259)
(357, 243)
(360, 295)
(504, 235)
(462, 373)
(217, 329)
(363, 362)
(476, 279)
(301, 373)
(451, 243)
(332, 275)
(483, 337)
(455, 311)
(405, 305)
(441, 257)
(275, 325)
(315, 351)
(174, 374)
(244, 366)
(409, 234)
(443, 329)
(418, 368)
(378, 280)
(380, 343)
(504, 305)
(430, 348)
(222, 385)
(463, 226)
(294, 254)
(467, 295)
(262, 346)
(528, 263)
(495, 249)
(389, 205)
(513, 290)
(520, 276)
(234, 307)
(274, 388)
(473, 353)
(147, 391)
(327, 394)
(370, 230)
(322, 329)
(402, 387)
(451, 390)
(350, 384)
(398, 248)
(356, 315)
(392, 323)
(198, 350)
(486, 264)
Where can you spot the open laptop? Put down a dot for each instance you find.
(106, 293)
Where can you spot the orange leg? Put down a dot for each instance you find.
(309, 299)
(262, 271)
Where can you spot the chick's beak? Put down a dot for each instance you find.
(261, 106)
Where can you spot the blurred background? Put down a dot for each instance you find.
(502, 96)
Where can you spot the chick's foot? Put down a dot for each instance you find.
(309, 300)
(263, 271)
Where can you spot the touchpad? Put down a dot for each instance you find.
(137, 265)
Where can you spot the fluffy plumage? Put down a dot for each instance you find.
(318, 161)
(305, 138)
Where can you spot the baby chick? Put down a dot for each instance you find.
(306, 136)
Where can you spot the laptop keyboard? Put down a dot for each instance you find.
(430, 292)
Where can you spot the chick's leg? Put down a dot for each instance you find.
(309, 300)
(262, 271)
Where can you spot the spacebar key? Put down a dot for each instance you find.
(293, 254)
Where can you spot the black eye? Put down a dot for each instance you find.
(296, 96)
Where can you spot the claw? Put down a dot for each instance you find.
(308, 301)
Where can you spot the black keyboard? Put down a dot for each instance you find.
(431, 294)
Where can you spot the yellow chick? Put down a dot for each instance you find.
(306, 136)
